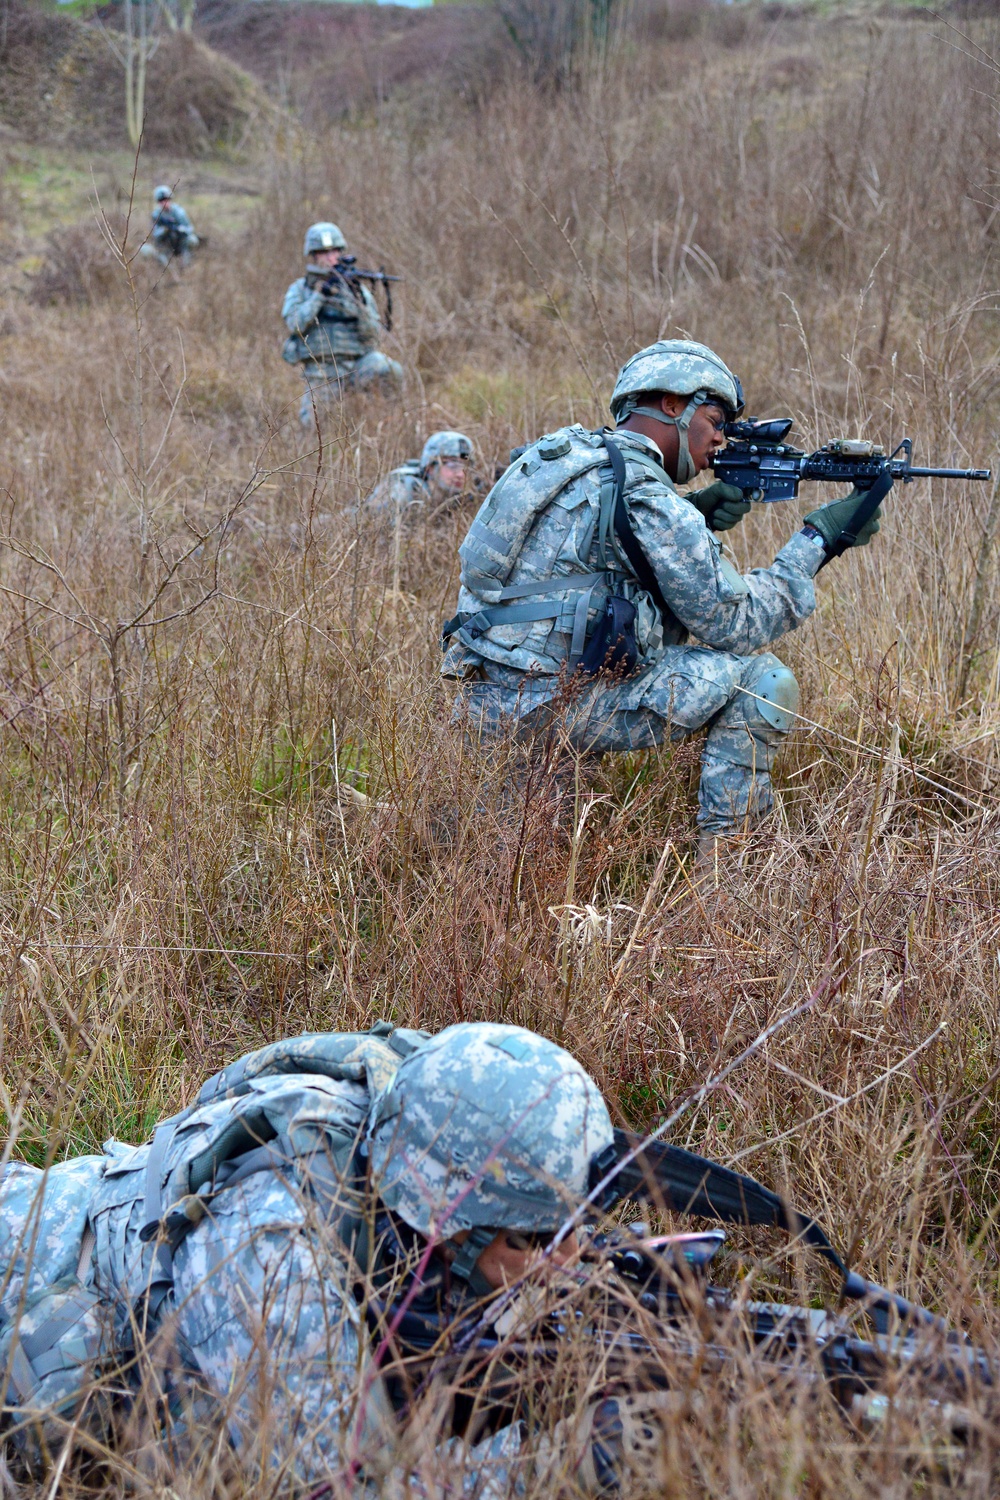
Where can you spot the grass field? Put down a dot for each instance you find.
(234, 805)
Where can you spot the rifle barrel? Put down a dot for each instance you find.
(919, 473)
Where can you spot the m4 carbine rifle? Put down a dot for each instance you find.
(758, 461)
(348, 273)
(656, 1307)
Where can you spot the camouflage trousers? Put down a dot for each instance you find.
(164, 255)
(747, 704)
(327, 380)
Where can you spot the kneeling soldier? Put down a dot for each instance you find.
(334, 328)
(173, 233)
(596, 599)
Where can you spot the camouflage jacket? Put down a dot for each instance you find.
(173, 221)
(708, 599)
(329, 327)
(399, 490)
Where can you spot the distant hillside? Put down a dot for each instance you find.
(59, 82)
(333, 58)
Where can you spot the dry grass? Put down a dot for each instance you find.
(203, 660)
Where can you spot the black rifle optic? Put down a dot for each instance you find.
(348, 273)
(758, 461)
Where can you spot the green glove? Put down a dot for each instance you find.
(722, 505)
(831, 519)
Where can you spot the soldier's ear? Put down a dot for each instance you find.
(671, 404)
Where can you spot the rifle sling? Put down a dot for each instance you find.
(690, 1184)
(873, 499)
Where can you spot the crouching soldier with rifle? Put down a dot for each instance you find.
(596, 600)
(334, 325)
(354, 1258)
(173, 233)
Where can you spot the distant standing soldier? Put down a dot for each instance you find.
(429, 483)
(585, 563)
(334, 328)
(173, 232)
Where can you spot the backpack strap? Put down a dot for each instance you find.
(505, 613)
(630, 545)
(161, 1276)
(35, 1355)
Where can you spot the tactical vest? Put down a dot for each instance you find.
(346, 327)
(529, 487)
(286, 1114)
(401, 488)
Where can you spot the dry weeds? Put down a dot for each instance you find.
(205, 657)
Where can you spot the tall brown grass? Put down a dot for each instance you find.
(234, 802)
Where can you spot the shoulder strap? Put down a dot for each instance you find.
(627, 537)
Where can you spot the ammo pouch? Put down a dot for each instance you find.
(612, 646)
(54, 1348)
(293, 350)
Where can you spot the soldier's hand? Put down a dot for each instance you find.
(722, 505)
(830, 520)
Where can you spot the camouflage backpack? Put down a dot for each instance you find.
(64, 1350)
(533, 483)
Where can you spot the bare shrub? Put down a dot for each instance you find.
(550, 35)
(80, 266)
(328, 61)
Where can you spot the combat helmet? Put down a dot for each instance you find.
(685, 369)
(487, 1127)
(444, 445)
(323, 236)
(162, 193)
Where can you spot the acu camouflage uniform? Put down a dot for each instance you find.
(400, 490)
(251, 1322)
(696, 668)
(173, 233)
(407, 491)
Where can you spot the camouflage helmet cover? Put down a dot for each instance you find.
(487, 1126)
(443, 445)
(680, 366)
(162, 193)
(323, 236)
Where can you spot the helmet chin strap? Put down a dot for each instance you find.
(686, 470)
(463, 1266)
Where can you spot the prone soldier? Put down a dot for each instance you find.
(334, 327)
(221, 1261)
(427, 484)
(596, 600)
